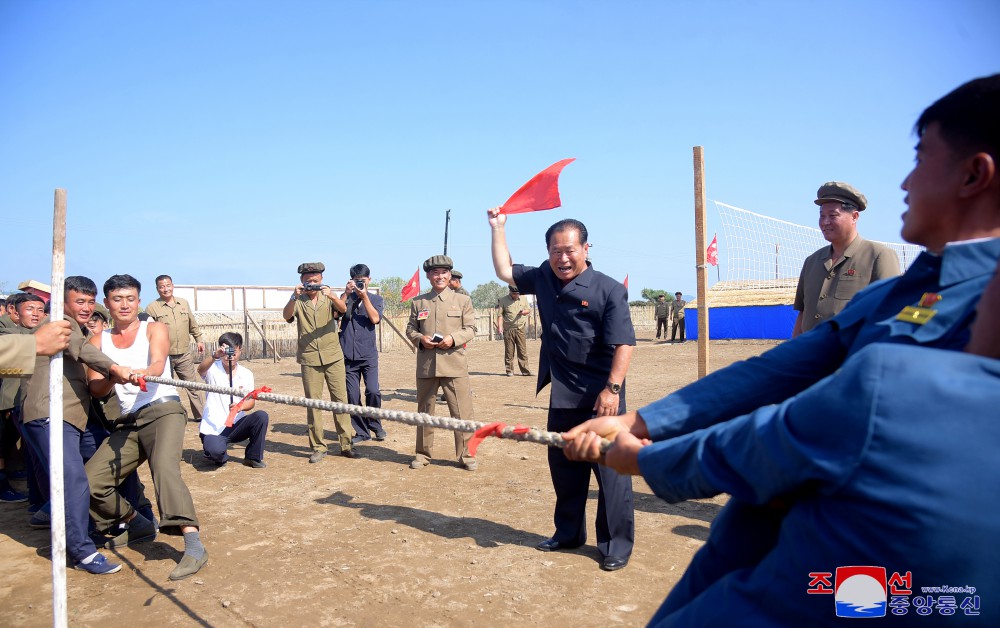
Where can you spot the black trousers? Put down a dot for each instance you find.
(615, 521)
(661, 322)
(678, 325)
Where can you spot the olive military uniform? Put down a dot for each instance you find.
(181, 325)
(449, 314)
(322, 361)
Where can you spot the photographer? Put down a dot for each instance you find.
(357, 340)
(315, 309)
(223, 369)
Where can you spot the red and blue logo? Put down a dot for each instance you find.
(860, 592)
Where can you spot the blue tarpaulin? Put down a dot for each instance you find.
(764, 322)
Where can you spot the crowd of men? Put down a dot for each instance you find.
(864, 440)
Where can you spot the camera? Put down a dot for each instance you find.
(230, 351)
(360, 284)
(312, 287)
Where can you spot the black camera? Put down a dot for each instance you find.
(312, 287)
(360, 283)
(230, 351)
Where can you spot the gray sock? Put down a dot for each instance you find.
(192, 545)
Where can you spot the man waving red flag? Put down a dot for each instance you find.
(541, 192)
(412, 287)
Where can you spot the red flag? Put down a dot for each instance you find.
(541, 192)
(412, 287)
(626, 281)
(712, 254)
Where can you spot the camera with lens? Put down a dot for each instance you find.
(230, 351)
(312, 287)
(360, 284)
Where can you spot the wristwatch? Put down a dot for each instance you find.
(614, 388)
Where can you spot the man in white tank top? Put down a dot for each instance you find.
(151, 429)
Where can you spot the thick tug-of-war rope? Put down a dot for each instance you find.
(479, 429)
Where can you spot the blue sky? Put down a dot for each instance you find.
(226, 142)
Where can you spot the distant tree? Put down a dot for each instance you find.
(652, 295)
(486, 295)
(391, 289)
(639, 303)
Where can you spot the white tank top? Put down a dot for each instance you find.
(137, 357)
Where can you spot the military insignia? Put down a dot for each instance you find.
(423, 314)
(850, 272)
(918, 315)
(929, 299)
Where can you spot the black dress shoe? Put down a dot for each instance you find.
(349, 453)
(612, 563)
(551, 545)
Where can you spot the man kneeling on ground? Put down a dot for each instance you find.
(222, 368)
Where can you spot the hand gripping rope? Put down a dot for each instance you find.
(479, 429)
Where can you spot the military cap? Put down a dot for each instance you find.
(840, 192)
(456, 274)
(311, 267)
(438, 261)
(101, 312)
(513, 288)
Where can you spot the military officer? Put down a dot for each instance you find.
(662, 314)
(511, 323)
(441, 323)
(176, 314)
(677, 310)
(315, 309)
(456, 283)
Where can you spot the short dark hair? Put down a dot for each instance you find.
(231, 338)
(160, 278)
(967, 116)
(565, 225)
(27, 297)
(121, 282)
(14, 299)
(360, 270)
(81, 284)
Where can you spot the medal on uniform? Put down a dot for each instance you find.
(922, 312)
(423, 314)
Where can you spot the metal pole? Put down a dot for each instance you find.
(447, 219)
(56, 492)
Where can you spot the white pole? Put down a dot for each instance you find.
(59, 616)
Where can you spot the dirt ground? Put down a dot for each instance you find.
(371, 542)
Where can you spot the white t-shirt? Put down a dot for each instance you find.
(213, 420)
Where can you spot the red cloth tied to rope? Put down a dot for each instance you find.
(492, 429)
(142, 384)
(239, 404)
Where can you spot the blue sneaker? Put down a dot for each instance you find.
(10, 496)
(100, 566)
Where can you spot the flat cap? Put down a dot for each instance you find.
(101, 312)
(456, 274)
(513, 288)
(311, 267)
(438, 261)
(840, 192)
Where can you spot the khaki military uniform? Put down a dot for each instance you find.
(322, 362)
(514, 324)
(10, 387)
(17, 356)
(181, 325)
(678, 315)
(825, 288)
(448, 314)
(662, 315)
(76, 394)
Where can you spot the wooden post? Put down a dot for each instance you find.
(400, 334)
(56, 491)
(699, 248)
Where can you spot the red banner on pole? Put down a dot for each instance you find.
(712, 254)
(412, 287)
(626, 281)
(541, 192)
